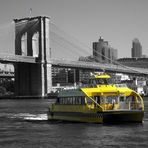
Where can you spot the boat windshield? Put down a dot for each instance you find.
(102, 81)
(99, 81)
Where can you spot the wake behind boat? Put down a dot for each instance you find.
(99, 102)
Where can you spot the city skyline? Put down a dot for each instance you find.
(103, 52)
(117, 21)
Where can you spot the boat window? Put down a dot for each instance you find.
(102, 100)
(68, 100)
(57, 101)
(89, 101)
(78, 100)
(82, 100)
(72, 100)
(130, 99)
(60, 100)
(111, 99)
(101, 81)
(121, 98)
(94, 82)
(65, 100)
(97, 99)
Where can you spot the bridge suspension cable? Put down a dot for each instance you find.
(74, 43)
(66, 52)
(67, 43)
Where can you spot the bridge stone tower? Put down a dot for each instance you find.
(32, 40)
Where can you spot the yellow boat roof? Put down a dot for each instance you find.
(125, 90)
(100, 75)
(104, 89)
(108, 90)
(105, 76)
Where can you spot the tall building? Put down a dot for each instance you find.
(103, 52)
(136, 49)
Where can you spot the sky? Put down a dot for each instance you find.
(117, 21)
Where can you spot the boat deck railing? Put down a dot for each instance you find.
(120, 85)
(135, 106)
(123, 106)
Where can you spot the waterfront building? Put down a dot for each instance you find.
(134, 62)
(64, 76)
(140, 82)
(6, 68)
(59, 76)
(136, 49)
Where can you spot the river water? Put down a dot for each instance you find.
(23, 124)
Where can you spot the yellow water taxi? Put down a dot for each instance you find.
(99, 102)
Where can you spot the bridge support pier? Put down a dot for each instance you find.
(32, 39)
(32, 79)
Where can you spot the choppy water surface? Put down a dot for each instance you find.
(23, 124)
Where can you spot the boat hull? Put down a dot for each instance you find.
(123, 116)
(99, 117)
(76, 117)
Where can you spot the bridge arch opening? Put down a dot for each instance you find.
(35, 44)
(24, 44)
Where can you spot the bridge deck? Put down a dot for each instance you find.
(75, 64)
(16, 58)
(100, 66)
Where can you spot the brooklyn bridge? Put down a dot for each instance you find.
(38, 46)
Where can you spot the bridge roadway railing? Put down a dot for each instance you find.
(6, 74)
(7, 58)
(99, 66)
(75, 64)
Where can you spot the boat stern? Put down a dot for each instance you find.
(123, 116)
